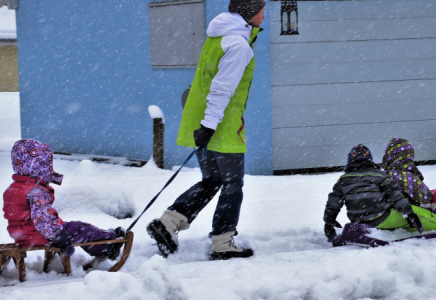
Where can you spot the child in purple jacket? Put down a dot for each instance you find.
(32, 221)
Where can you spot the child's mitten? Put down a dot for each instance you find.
(414, 222)
(329, 229)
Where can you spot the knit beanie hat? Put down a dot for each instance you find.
(359, 153)
(246, 8)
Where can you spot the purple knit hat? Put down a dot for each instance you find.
(34, 159)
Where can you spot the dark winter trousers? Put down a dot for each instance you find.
(219, 170)
(80, 232)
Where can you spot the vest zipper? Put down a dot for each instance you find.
(241, 128)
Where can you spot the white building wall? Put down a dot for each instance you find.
(359, 72)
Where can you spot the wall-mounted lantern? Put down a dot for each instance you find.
(289, 17)
(11, 4)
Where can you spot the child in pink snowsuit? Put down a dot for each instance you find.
(32, 221)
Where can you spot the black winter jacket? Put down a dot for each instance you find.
(368, 194)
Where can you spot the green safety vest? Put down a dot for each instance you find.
(229, 136)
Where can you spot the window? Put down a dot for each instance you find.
(177, 33)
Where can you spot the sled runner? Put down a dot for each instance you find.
(12, 251)
(358, 234)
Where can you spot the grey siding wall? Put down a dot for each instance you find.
(359, 72)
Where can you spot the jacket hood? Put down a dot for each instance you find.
(398, 163)
(360, 166)
(398, 150)
(33, 159)
(229, 24)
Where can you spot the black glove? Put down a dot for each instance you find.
(414, 222)
(62, 241)
(202, 136)
(329, 229)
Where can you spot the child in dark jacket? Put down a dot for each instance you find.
(32, 221)
(370, 196)
(398, 163)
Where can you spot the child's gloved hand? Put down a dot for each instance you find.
(414, 222)
(63, 242)
(329, 229)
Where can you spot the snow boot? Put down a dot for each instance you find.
(223, 247)
(164, 231)
(113, 250)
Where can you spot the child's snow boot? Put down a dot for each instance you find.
(164, 230)
(113, 250)
(223, 247)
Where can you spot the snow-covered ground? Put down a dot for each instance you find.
(281, 220)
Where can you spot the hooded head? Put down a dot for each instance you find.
(359, 154)
(397, 150)
(34, 159)
(246, 8)
(398, 163)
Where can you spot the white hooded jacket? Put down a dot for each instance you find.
(238, 54)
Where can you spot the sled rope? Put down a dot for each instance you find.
(166, 184)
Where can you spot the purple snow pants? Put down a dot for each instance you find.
(80, 232)
(357, 234)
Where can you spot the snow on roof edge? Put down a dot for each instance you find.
(8, 28)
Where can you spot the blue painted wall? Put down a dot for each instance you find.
(86, 82)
